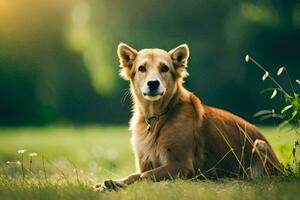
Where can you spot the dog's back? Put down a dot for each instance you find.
(233, 146)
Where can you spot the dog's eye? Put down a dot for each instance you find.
(164, 68)
(142, 68)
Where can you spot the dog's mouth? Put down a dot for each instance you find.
(153, 96)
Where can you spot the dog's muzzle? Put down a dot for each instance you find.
(153, 90)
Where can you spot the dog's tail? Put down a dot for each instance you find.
(264, 161)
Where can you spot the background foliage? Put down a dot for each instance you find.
(58, 61)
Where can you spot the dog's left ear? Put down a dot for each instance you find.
(126, 55)
(180, 55)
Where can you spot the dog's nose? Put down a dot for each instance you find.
(153, 85)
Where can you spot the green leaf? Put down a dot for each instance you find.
(266, 117)
(262, 112)
(267, 89)
(283, 125)
(294, 114)
(286, 108)
(287, 97)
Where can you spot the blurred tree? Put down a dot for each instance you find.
(58, 61)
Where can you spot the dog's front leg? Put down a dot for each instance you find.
(167, 172)
(115, 184)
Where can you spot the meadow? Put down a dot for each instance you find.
(71, 160)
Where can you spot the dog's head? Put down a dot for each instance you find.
(153, 72)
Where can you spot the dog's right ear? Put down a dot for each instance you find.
(179, 56)
(126, 55)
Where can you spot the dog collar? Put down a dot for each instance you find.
(150, 120)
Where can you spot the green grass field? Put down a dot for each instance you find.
(71, 160)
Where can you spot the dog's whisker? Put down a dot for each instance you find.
(124, 96)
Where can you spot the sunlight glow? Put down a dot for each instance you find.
(259, 13)
(88, 43)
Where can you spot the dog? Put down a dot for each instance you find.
(175, 135)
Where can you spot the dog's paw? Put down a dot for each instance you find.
(109, 184)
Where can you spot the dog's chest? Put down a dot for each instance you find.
(147, 148)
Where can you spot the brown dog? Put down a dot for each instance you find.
(174, 134)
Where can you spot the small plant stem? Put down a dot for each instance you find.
(262, 68)
(44, 167)
(22, 166)
(289, 78)
(30, 164)
(77, 175)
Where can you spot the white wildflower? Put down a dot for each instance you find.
(33, 154)
(297, 81)
(273, 94)
(265, 76)
(13, 163)
(21, 151)
(247, 58)
(280, 70)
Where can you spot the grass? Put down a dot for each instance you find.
(71, 160)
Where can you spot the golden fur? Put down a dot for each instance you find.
(187, 138)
